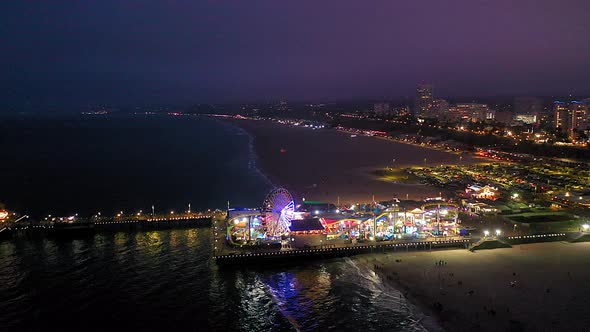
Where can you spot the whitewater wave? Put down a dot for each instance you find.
(384, 294)
(252, 156)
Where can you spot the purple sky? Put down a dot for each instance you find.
(115, 51)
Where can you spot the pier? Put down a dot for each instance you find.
(237, 256)
(225, 253)
(105, 224)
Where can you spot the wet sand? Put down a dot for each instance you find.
(534, 287)
(326, 164)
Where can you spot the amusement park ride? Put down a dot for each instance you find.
(278, 208)
(277, 222)
(271, 222)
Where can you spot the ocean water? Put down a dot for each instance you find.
(65, 165)
(160, 280)
(165, 279)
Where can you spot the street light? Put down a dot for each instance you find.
(498, 232)
(486, 233)
(585, 227)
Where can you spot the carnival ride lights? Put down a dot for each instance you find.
(279, 210)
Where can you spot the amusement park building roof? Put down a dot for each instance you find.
(234, 212)
(314, 202)
(311, 224)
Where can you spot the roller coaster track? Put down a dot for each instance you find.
(230, 224)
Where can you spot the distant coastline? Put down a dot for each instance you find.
(329, 165)
(253, 158)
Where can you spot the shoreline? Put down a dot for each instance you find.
(420, 315)
(429, 318)
(253, 158)
(409, 143)
(328, 165)
(493, 290)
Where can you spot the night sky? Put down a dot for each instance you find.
(114, 51)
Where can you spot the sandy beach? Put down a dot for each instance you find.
(533, 287)
(327, 164)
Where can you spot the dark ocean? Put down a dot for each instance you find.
(86, 164)
(160, 280)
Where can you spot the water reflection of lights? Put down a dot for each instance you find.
(254, 299)
(174, 238)
(149, 242)
(120, 238)
(192, 237)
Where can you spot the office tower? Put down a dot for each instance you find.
(424, 100)
(440, 108)
(571, 116)
(560, 110)
(579, 114)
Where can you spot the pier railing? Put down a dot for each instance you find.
(325, 252)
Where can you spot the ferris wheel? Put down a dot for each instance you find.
(279, 209)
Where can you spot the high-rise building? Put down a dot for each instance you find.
(587, 103)
(570, 116)
(579, 112)
(440, 108)
(424, 100)
(560, 110)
